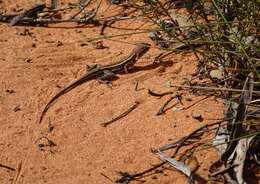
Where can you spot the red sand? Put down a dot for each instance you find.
(34, 68)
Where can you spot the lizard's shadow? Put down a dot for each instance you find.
(154, 65)
(136, 69)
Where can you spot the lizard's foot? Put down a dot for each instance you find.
(106, 78)
(107, 82)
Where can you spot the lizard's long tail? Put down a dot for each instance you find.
(62, 92)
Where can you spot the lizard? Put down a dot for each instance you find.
(102, 72)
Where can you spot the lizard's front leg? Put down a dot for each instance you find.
(89, 68)
(128, 66)
(104, 78)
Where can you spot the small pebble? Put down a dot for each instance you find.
(197, 116)
(83, 44)
(28, 60)
(188, 99)
(10, 91)
(17, 108)
(100, 45)
(154, 178)
(59, 44)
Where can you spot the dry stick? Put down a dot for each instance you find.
(179, 141)
(82, 5)
(92, 13)
(48, 21)
(107, 177)
(19, 169)
(162, 109)
(200, 100)
(21, 19)
(222, 170)
(7, 167)
(152, 93)
(136, 87)
(214, 88)
(59, 9)
(107, 22)
(121, 115)
(27, 13)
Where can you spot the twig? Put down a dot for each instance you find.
(68, 7)
(121, 115)
(222, 170)
(7, 167)
(107, 22)
(19, 169)
(26, 21)
(90, 15)
(162, 110)
(25, 18)
(200, 100)
(136, 87)
(83, 5)
(152, 93)
(214, 88)
(27, 13)
(107, 177)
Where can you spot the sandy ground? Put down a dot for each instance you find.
(36, 63)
